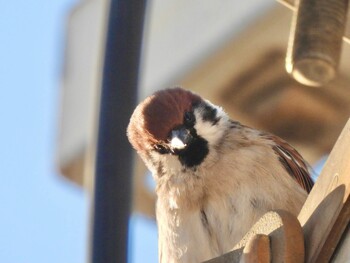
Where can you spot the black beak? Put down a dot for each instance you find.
(180, 138)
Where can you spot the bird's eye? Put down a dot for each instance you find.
(189, 118)
(161, 149)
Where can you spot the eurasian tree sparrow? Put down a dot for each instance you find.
(214, 177)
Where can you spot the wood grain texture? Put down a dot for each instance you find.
(257, 250)
(325, 213)
(342, 253)
(285, 235)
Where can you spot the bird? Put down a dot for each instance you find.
(215, 177)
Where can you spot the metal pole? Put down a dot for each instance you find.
(112, 190)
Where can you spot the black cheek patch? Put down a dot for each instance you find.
(210, 114)
(194, 153)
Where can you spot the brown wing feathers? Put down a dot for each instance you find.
(293, 162)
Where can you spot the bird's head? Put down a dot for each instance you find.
(177, 123)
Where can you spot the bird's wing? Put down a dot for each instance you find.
(293, 162)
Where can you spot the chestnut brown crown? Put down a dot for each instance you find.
(154, 118)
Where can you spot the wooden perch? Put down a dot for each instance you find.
(325, 213)
(324, 219)
(277, 236)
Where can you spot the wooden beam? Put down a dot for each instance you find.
(279, 232)
(324, 215)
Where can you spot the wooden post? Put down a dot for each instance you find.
(324, 215)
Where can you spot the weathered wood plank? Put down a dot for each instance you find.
(285, 235)
(257, 250)
(324, 215)
(342, 253)
(338, 230)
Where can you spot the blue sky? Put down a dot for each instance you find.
(43, 218)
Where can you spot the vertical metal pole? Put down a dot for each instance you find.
(112, 192)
